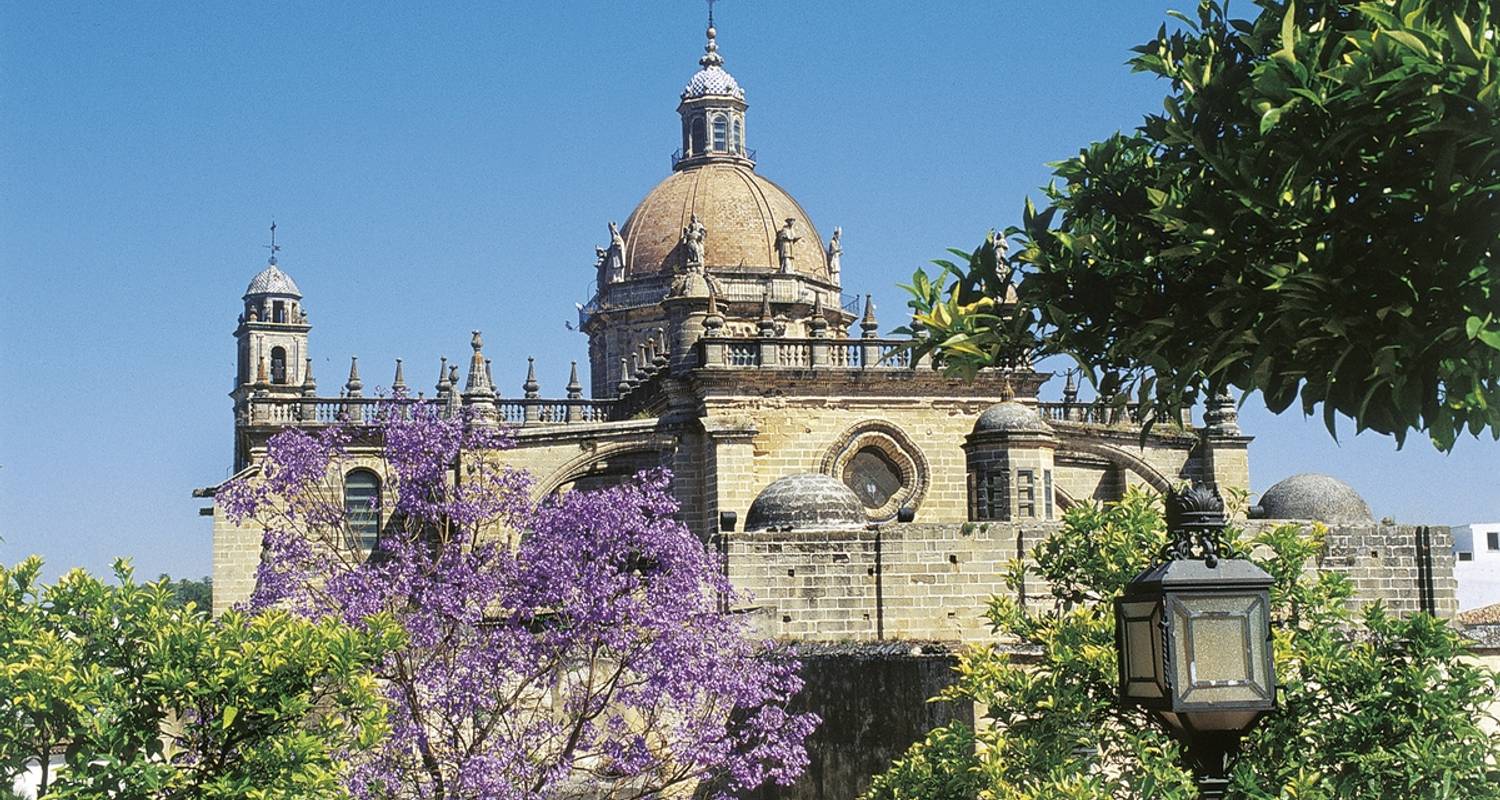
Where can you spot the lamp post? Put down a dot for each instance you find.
(1193, 637)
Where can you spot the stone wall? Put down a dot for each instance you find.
(873, 700)
(931, 581)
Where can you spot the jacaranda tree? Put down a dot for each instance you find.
(576, 645)
(1313, 215)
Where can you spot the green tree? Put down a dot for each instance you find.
(199, 592)
(1371, 705)
(1315, 214)
(152, 699)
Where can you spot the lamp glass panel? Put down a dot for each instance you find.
(1141, 660)
(1219, 644)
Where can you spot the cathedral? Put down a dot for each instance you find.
(723, 344)
(867, 501)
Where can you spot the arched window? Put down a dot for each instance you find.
(721, 134)
(872, 476)
(739, 136)
(278, 365)
(362, 509)
(700, 137)
(278, 311)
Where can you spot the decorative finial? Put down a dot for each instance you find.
(443, 385)
(477, 383)
(309, 386)
(273, 247)
(531, 387)
(623, 387)
(819, 321)
(354, 384)
(575, 389)
(711, 57)
(867, 324)
(1070, 389)
(1195, 516)
(398, 384)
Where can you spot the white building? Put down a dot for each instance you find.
(1477, 548)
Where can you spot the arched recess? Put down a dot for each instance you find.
(1121, 457)
(606, 465)
(878, 444)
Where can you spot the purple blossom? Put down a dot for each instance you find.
(551, 645)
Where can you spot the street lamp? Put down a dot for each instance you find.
(1194, 639)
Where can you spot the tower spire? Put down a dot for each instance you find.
(711, 57)
(273, 247)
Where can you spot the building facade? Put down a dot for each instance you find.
(868, 502)
(723, 345)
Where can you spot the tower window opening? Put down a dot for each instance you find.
(738, 142)
(721, 134)
(278, 365)
(1047, 491)
(988, 495)
(362, 510)
(700, 137)
(1025, 493)
(278, 311)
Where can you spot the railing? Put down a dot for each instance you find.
(806, 353)
(790, 353)
(1131, 414)
(742, 353)
(677, 156)
(282, 411)
(895, 354)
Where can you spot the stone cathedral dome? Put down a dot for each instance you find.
(741, 211)
(714, 179)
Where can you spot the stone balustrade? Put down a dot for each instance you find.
(309, 411)
(805, 353)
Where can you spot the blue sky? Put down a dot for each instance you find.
(434, 170)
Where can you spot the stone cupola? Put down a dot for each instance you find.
(713, 113)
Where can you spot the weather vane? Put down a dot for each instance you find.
(711, 12)
(273, 247)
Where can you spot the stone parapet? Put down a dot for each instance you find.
(933, 582)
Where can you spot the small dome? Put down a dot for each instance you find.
(1011, 417)
(1312, 496)
(712, 80)
(809, 500)
(272, 280)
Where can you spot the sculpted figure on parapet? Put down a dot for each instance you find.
(785, 238)
(611, 260)
(835, 255)
(692, 243)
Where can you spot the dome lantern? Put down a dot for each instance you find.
(713, 113)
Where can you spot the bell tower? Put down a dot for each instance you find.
(271, 336)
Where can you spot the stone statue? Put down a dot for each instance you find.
(835, 251)
(614, 256)
(785, 238)
(601, 256)
(692, 242)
